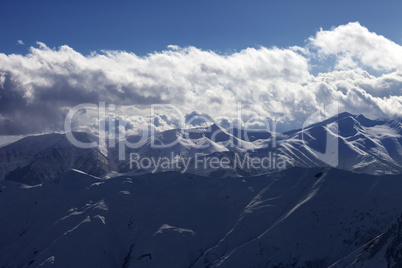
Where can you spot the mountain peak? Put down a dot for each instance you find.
(344, 114)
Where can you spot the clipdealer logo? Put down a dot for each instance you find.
(201, 161)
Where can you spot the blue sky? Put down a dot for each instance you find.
(222, 26)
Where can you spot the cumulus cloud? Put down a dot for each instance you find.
(354, 45)
(44, 83)
(196, 119)
(38, 89)
(20, 42)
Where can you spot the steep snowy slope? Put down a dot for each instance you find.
(294, 218)
(20, 153)
(36, 159)
(364, 145)
(384, 250)
(310, 223)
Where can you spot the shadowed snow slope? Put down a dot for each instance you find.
(294, 218)
(37, 159)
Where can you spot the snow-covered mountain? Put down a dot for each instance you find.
(364, 145)
(36, 159)
(90, 208)
(369, 146)
(294, 218)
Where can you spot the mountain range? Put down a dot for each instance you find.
(363, 145)
(65, 206)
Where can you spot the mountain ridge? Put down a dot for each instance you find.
(363, 145)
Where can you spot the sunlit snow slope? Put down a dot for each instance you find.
(362, 145)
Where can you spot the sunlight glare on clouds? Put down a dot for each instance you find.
(267, 81)
(354, 45)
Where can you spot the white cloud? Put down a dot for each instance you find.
(197, 80)
(20, 42)
(353, 45)
(269, 82)
(173, 47)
